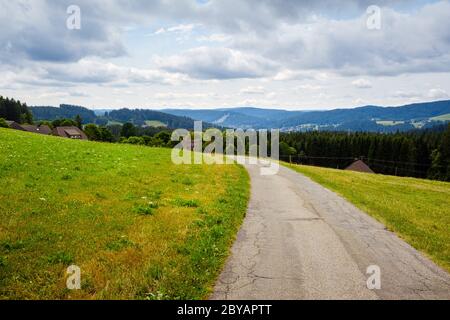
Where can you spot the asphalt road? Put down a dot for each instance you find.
(302, 241)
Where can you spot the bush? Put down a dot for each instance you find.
(92, 132)
(63, 123)
(135, 140)
(3, 123)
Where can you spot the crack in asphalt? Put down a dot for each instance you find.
(302, 241)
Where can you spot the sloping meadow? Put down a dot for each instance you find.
(137, 225)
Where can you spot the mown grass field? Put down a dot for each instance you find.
(138, 226)
(444, 117)
(155, 124)
(390, 122)
(417, 210)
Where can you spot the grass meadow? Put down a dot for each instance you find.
(138, 226)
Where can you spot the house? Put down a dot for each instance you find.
(70, 132)
(14, 125)
(42, 129)
(359, 166)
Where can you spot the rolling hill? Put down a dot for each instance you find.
(368, 118)
(64, 111)
(139, 117)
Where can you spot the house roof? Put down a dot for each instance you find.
(72, 132)
(359, 166)
(36, 129)
(67, 132)
(44, 129)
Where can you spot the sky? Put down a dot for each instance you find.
(201, 54)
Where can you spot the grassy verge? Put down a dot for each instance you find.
(417, 210)
(138, 226)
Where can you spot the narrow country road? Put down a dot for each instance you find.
(302, 241)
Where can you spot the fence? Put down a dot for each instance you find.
(397, 168)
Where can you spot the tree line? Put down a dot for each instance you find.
(117, 133)
(14, 110)
(418, 153)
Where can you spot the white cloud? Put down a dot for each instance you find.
(405, 94)
(309, 87)
(217, 63)
(407, 43)
(295, 48)
(437, 94)
(362, 84)
(181, 28)
(253, 90)
(433, 94)
(215, 37)
(89, 71)
(180, 95)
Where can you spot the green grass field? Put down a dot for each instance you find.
(390, 123)
(112, 123)
(417, 210)
(138, 226)
(444, 117)
(155, 124)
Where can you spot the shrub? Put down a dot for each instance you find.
(135, 140)
(3, 123)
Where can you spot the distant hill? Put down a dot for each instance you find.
(368, 118)
(63, 112)
(139, 117)
(236, 117)
(142, 116)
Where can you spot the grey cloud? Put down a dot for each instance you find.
(85, 71)
(406, 43)
(218, 63)
(38, 32)
(268, 36)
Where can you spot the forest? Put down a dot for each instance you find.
(14, 110)
(417, 153)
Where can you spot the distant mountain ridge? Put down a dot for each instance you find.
(367, 118)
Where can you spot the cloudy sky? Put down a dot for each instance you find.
(289, 54)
